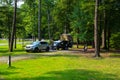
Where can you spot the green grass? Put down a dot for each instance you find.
(80, 46)
(62, 67)
(3, 41)
(4, 50)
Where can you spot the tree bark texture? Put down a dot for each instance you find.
(96, 36)
(39, 19)
(104, 45)
(48, 20)
(13, 27)
(13, 32)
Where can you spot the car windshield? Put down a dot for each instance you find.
(43, 42)
(35, 43)
(56, 42)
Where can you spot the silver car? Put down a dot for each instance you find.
(37, 46)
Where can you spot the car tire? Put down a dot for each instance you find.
(27, 51)
(47, 49)
(58, 48)
(36, 50)
(66, 48)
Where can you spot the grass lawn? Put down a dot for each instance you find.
(3, 40)
(4, 50)
(62, 67)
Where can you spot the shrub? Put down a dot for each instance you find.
(115, 41)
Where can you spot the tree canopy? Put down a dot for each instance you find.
(75, 17)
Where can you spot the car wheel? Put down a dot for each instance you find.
(47, 49)
(58, 48)
(27, 51)
(66, 48)
(36, 50)
(63, 48)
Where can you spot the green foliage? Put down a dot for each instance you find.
(76, 16)
(112, 10)
(115, 40)
(5, 20)
(82, 20)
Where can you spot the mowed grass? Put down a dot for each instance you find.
(3, 40)
(62, 67)
(4, 50)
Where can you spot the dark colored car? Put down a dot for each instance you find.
(64, 45)
(55, 44)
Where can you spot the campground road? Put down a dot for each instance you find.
(4, 59)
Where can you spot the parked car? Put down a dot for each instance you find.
(55, 44)
(64, 45)
(37, 46)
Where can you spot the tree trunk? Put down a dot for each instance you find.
(96, 36)
(48, 20)
(93, 44)
(65, 29)
(9, 36)
(108, 32)
(15, 40)
(108, 39)
(104, 46)
(39, 19)
(13, 27)
(9, 41)
(78, 41)
(13, 32)
(22, 42)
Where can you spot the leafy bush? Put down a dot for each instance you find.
(115, 41)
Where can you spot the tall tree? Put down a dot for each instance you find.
(96, 36)
(48, 20)
(39, 18)
(13, 31)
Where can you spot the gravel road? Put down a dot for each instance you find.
(4, 59)
(14, 58)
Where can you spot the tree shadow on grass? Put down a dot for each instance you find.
(4, 51)
(7, 73)
(117, 55)
(74, 74)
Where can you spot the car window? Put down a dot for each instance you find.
(35, 43)
(55, 42)
(43, 42)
